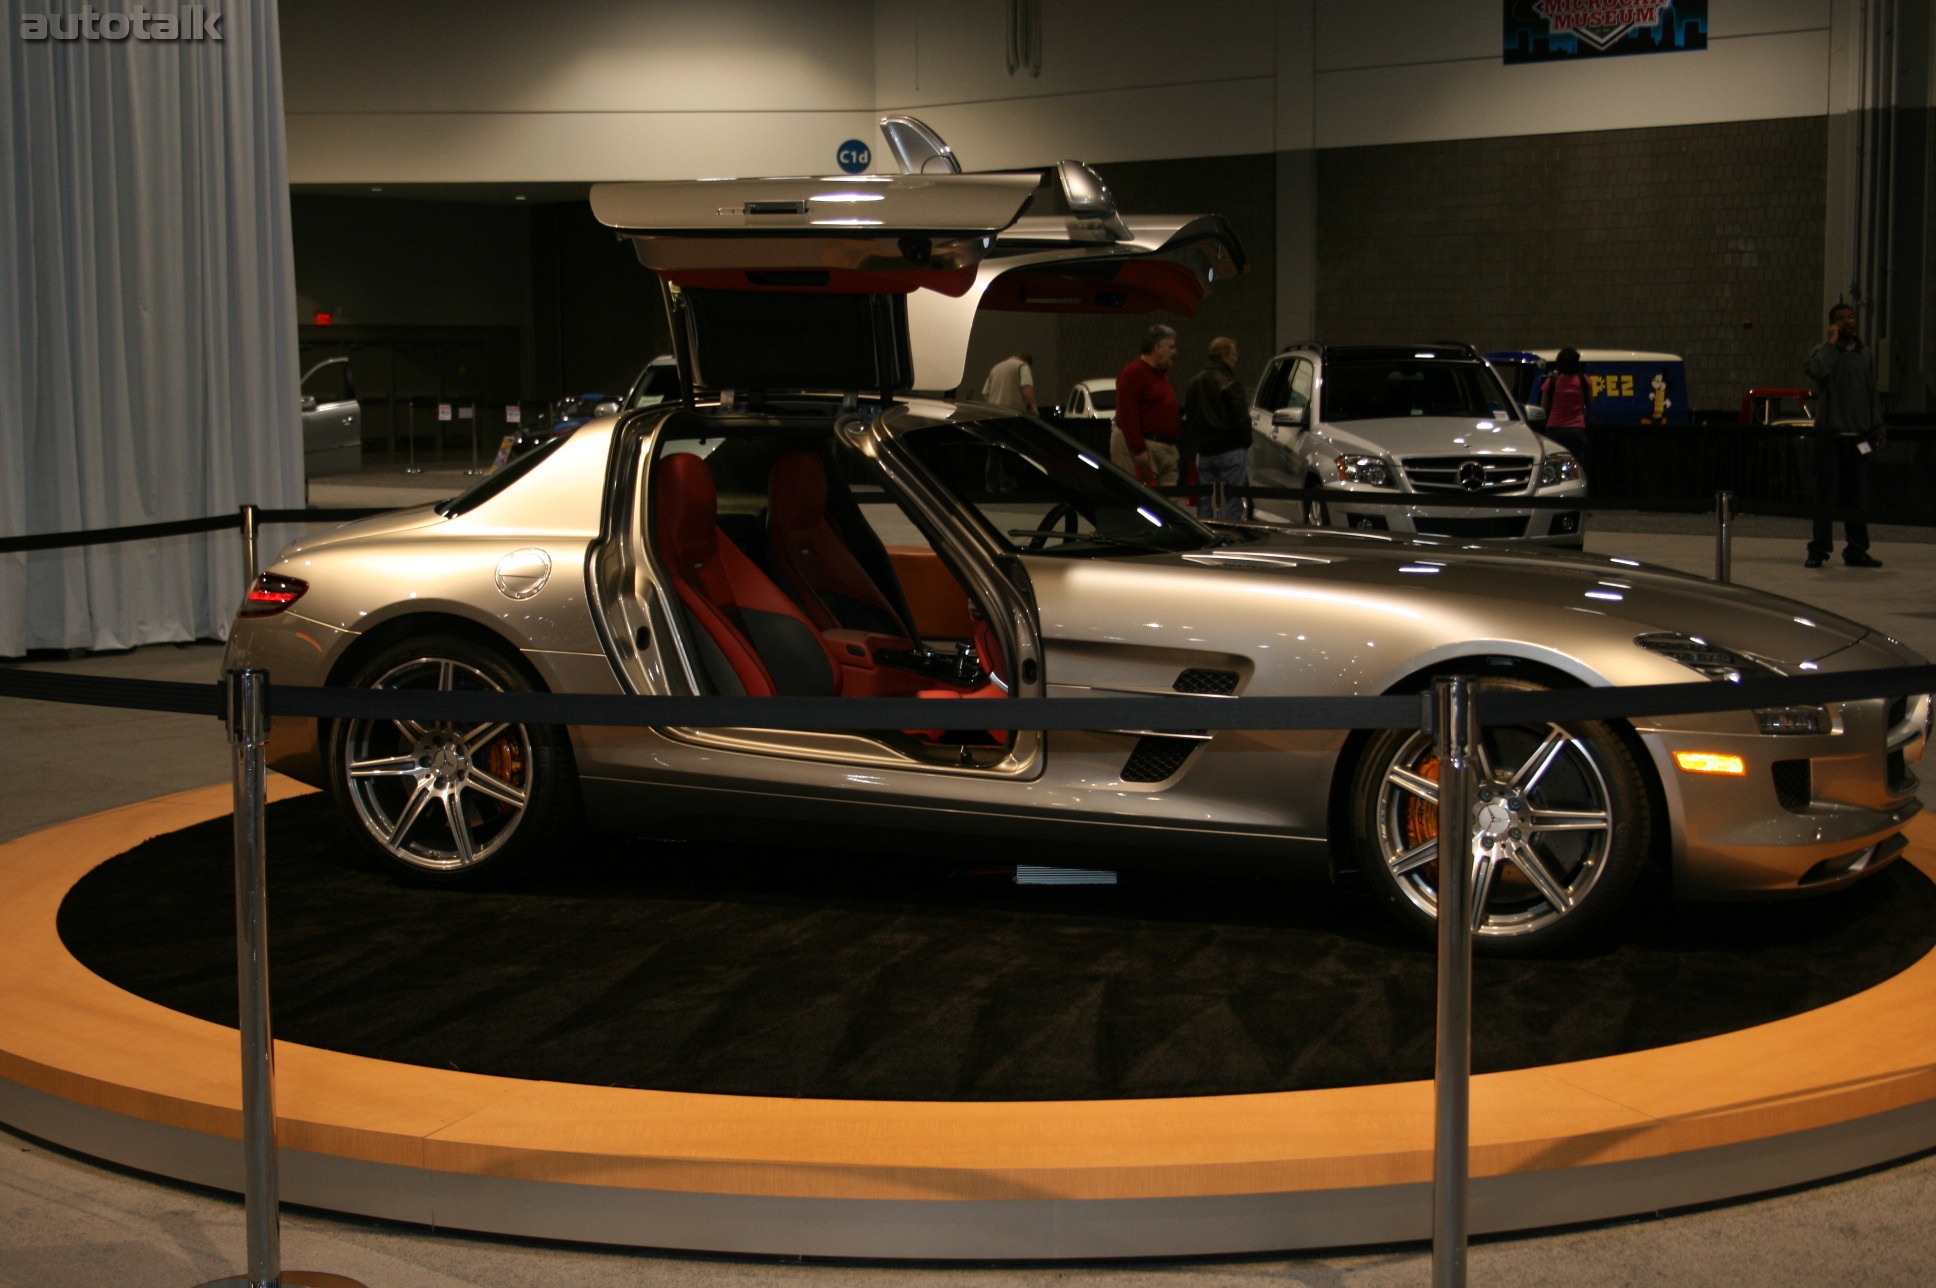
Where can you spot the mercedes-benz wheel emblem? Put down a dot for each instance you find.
(1472, 476)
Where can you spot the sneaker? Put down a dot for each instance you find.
(1862, 560)
(1813, 561)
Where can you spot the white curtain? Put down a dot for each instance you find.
(147, 318)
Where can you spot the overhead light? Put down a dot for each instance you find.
(848, 196)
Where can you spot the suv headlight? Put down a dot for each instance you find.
(1368, 470)
(1558, 467)
(1729, 667)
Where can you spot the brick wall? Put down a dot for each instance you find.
(1700, 240)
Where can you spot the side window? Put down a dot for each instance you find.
(1299, 392)
(1270, 386)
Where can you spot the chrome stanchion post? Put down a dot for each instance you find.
(251, 534)
(248, 724)
(1456, 729)
(1723, 536)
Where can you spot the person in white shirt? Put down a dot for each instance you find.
(1011, 383)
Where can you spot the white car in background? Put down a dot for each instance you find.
(1426, 421)
(1092, 399)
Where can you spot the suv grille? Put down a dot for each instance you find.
(1468, 473)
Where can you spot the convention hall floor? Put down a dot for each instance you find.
(66, 1221)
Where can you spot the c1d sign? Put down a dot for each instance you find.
(854, 156)
(193, 22)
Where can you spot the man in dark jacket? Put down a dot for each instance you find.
(1215, 414)
(1848, 428)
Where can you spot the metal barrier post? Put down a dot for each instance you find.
(248, 723)
(1723, 536)
(413, 467)
(1456, 732)
(251, 534)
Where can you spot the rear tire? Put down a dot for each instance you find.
(1567, 801)
(450, 804)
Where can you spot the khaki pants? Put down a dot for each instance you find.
(1163, 457)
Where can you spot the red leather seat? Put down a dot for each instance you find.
(752, 639)
(814, 559)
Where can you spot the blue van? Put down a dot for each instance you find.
(1629, 387)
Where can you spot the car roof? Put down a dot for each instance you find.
(1435, 351)
(1591, 355)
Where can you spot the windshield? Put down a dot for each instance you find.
(1388, 389)
(1044, 493)
(656, 384)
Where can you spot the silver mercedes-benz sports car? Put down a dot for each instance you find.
(806, 520)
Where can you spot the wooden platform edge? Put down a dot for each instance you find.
(68, 1034)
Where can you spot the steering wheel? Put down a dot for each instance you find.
(1064, 513)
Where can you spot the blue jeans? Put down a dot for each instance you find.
(1231, 467)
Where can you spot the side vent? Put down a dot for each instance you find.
(1157, 758)
(1794, 784)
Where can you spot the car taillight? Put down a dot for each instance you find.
(271, 593)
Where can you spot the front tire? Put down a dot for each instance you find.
(449, 804)
(1316, 513)
(1567, 804)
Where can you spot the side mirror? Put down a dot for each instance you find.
(1536, 415)
(1289, 417)
(605, 409)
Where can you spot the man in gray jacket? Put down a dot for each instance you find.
(1848, 429)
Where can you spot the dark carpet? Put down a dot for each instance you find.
(784, 972)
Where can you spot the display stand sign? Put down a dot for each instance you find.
(1545, 31)
(443, 411)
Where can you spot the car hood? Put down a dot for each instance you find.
(1438, 436)
(1565, 599)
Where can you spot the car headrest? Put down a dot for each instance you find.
(797, 488)
(687, 507)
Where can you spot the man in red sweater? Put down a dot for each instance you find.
(1142, 442)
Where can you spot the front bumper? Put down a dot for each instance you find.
(1565, 528)
(1808, 813)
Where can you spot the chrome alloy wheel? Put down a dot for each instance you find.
(437, 797)
(1548, 828)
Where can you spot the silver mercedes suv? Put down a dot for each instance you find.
(1429, 423)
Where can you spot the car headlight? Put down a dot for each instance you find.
(1368, 470)
(1729, 667)
(1558, 467)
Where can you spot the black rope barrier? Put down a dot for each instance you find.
(131, 532)
(1154, 713)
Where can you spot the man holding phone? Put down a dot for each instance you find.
(1848, 429)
